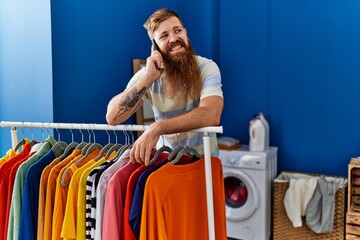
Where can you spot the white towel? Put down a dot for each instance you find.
(297, 198)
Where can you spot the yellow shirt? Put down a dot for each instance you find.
(68, 230)
(61, 194)
(9, 154)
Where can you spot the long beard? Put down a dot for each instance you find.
(182, 73)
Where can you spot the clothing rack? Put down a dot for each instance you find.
(206, 139)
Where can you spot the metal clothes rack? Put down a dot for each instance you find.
(206, 139)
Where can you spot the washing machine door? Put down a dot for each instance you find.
(241, 194)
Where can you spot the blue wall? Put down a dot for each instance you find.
(296, 61)
(25, 65)
(93, 44)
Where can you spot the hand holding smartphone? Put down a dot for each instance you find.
(156, 47)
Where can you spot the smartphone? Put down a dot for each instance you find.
(156, 46)
(161, 69)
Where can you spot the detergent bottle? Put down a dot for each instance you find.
(257, 134)
(267, 130)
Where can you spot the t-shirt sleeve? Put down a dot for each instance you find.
(212, 80)
(135, 77)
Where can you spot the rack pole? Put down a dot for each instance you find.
(207, 150)
(14, 137)
(93, 126)
(209, 191)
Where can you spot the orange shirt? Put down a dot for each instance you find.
(42, 198)
(61, 198)
(174, 205)
(45, 232)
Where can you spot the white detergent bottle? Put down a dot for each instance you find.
(257, 135)
(267, 130)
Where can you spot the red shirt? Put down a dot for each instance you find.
(8, 173)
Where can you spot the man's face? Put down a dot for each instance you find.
(181, 70)
(171, 36)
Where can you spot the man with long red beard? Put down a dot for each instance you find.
(183, 88)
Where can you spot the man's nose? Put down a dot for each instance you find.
(173, 37)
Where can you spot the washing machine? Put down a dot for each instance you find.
(248, 180)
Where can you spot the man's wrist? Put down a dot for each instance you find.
(150, 77)
(157, 127)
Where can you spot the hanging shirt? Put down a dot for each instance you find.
(50, 194)
(90, 194)
(9, 154)
(92, 183)
(68, 230)
(7, 173)
(114, 202)
(136, 204)
(10, 190)
(127, 232)
(42, 195)
(30, 201)
(100, 191)
(16, 199)
(60, 199)
(174, 205)
(42, 198)
(83, 197)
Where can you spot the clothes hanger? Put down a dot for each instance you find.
(59, 144)
(24, 140)
(85, 145)
(91, 147)
(105, 149)
(162, 149)
(115, 147)
(130, 141)
(35, 145)
(70, 147)
(188, 151)
(123, 148)
(21, 144)
(175, 151)
(82, 144)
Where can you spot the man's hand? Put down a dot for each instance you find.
(154, 64)
(143, 146)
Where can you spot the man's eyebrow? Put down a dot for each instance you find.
(177, 27)
(174, 28)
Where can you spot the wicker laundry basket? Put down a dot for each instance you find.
(283, 228)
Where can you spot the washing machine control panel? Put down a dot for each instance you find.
(242, 159)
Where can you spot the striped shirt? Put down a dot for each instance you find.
(165, 108)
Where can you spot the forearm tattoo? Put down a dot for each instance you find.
(129, 101)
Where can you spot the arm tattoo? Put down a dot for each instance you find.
(129, 101)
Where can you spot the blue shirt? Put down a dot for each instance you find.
(30, 201)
